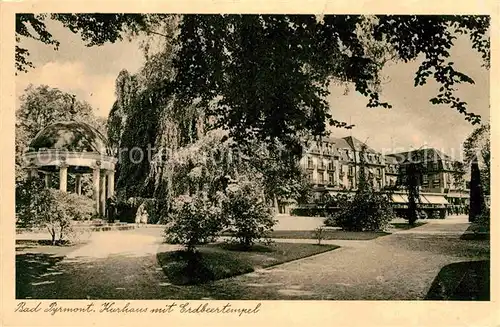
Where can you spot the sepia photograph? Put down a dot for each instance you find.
(251, 156)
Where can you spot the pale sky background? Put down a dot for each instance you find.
(90, 74)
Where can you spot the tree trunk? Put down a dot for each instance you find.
(476, 192)
(53, 235)
(275, 205)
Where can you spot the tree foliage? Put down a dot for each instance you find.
(477, 147)
(267, 76)
(270, 73)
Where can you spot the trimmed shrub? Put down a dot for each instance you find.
(37, 206)
(194, 220)
(367, 211)
(78, 207)
(248, 217)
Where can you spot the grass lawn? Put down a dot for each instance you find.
(405, 226)
(327, 235)
(462, 281)
(223, 260)
(337, 234)
(476, 232)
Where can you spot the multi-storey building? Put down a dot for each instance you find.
(333, 164)
(438, 176)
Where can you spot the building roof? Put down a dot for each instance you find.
(70, 136)
(426, 154)
(357, 145)
(390, 159)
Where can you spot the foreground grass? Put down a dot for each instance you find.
(222, 260)
(476, 232)
(462, 281)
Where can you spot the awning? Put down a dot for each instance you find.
(399, 198)
(457, 195)
(435, 199)
(423, 200)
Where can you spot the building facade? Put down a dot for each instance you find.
(333, 165)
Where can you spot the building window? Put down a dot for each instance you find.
(331, 165)
(425, 181)
(310, 177)
(436, 181)
(351, 171)
(331, 178)
(310, 163)
(379, 171)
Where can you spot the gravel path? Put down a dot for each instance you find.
(401, 266)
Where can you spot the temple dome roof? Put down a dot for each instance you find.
(70, 136)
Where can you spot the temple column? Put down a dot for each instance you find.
(63, 177)
(78, 184)
(111, 183)
(47, 180)
(102, 195)
(96, 174)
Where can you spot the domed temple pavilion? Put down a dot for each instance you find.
(74, 148)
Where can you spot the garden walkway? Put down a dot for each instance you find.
(395, 267)
(123, 265)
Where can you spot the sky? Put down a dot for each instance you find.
(413, 122)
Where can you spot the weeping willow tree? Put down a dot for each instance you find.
(147, 123)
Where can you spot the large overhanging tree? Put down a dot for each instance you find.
(265, 78)
(270, 73)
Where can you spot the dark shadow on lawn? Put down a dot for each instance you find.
(238, 247)
(476, 232)
(462, 281)
(30, 268)
(218, 261)
(406, 226)
(184, 268)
